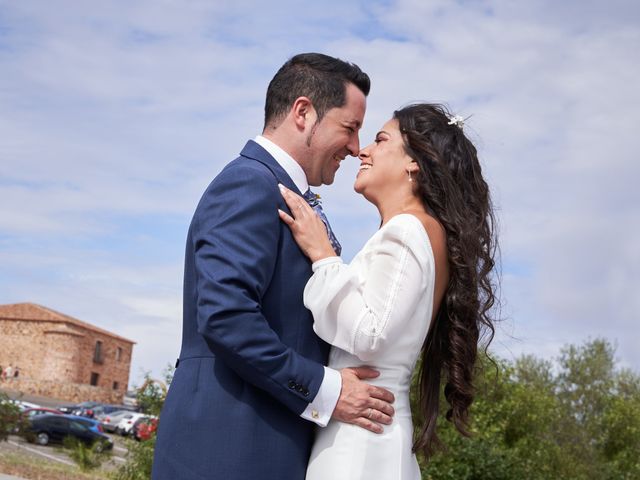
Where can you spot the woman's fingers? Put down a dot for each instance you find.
(306, 226)
(286, 218)
(289, 197)
(295, 202)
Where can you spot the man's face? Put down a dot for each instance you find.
(335, 137)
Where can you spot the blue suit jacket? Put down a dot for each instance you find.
(250, 361)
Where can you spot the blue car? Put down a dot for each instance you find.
(51, 428)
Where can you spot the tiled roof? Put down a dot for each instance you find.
(31, 311)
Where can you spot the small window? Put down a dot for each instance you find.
(115, 385)
(97, 354)
(118, 354)
(94, 378)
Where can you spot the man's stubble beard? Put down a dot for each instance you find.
(312, 133)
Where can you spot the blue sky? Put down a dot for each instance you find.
(115, 115)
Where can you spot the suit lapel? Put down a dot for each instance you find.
(255, 152)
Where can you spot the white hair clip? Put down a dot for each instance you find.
(457, 120)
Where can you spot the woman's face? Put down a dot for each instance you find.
(384, 163)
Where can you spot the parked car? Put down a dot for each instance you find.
(130, 399)
(144, 428)
(35, 412)
(51, 428)
(100, 412)
(111, 421)
(126, 423)
(30, 413)
(83, 409)
(22, 405)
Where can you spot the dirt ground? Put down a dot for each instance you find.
(35, 462)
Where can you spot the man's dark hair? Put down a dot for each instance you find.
(321, 78)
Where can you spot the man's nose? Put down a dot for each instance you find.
(354, 146)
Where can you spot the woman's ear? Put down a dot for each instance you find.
(412, 167)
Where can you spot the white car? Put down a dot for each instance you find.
(23, 405)
(130, 399)
(111, 420)
(126, 424)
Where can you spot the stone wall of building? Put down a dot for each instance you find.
(71, 392)
(60, 360)
(111, 367)
(62, 357)
(23, 344)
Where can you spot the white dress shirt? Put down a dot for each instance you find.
(321, 408)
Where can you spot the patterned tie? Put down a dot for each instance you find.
(314, 202)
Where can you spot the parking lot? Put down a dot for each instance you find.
(56, 453)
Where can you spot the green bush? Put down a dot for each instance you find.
(139, 461)
(11, 420)
(575, 418)
(86, 457)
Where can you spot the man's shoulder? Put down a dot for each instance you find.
(242, 181)
(244, 172)
(248, 165)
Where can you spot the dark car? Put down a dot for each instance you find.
(51, 428)
(30, 413)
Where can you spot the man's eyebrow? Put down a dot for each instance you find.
(355, 123)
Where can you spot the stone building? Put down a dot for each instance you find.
(61, 357)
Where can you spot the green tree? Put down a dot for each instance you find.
(576, 418)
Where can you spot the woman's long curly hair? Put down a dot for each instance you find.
(452, 189)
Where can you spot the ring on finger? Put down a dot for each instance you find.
(370, 413)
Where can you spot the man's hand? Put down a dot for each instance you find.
(363, 404)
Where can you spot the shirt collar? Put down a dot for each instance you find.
(286, 161)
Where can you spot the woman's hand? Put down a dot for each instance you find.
(307, 228)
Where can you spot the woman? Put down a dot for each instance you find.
(420, 285)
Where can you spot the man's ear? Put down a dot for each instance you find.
(304, 115)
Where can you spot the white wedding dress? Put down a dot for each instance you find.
(374, 311)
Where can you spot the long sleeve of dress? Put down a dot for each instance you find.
(362, 307)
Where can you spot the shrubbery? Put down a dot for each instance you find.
(576, 418)
(85, 456)
(11, 421)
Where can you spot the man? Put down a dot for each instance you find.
(250, 382)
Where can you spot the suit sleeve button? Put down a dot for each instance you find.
(292, 384)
